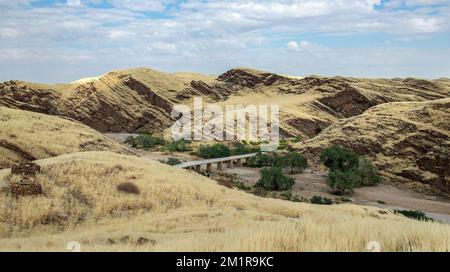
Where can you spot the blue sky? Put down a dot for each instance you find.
(61, 41)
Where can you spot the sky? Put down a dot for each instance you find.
(64, 40)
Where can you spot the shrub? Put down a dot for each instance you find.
(265, 160)
(172, 161)
(366, 173)
(321, 200)
(213, 151)
(272, 178)
(347, 170)
(418, 215)
(337, 157)
(144, 141)
(179, 146)
(128, 187)
(241, 148)
(341, 181)
(294, 162)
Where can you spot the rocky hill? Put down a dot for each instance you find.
(142, 99)
(408, 141)
(27, 136)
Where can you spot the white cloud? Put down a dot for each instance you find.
(74, 3)
(140, 5)
(304, 46)
(216, 35)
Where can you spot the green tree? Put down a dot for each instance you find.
(213, 151)
(272, 178)
(294, 162)
(337, 157)
(366, 174)
(179, 146)
(266, 159)
(342, 181)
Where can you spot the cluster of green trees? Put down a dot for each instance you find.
(347, 170)
(273, 164)
(219, 150)
(273, 179)
(292, 161)
(148, 141)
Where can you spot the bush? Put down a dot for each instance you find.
(144, 141)
(272, 178)
(172, 161)
(321, 200)
(179, 146)
(265, 160)
(366, 173)
(337, 157)
(213, 151)
(241, 148)
(418, 215)
(347, 170)
(341, 181)
(294, 162)
(128, 187)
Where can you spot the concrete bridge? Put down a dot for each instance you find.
(229, 162)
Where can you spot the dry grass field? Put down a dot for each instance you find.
(177, 210)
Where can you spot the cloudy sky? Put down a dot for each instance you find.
(60, 41)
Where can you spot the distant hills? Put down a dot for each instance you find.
(401, 123)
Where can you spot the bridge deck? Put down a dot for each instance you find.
(208, 161)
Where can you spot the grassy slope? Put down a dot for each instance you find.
(29, 135)
(180, 210)
(409, 141)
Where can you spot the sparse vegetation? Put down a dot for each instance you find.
(219, 150)
(272, 178)
(179, 146)
(321, 200)
(418, 215)
(172, 161)
(128, 187)
(145, 141)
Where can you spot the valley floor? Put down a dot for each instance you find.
(309, 184)
(312, 183)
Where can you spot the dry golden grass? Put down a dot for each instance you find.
(178, 211)
(42, 136)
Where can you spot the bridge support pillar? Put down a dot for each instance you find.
(229, 164)
(239, 162)
(219, 166)
(208, 167)
(198, 168)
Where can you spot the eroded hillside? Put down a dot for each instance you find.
(142, 99)
(408, 141)
(27, 136)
